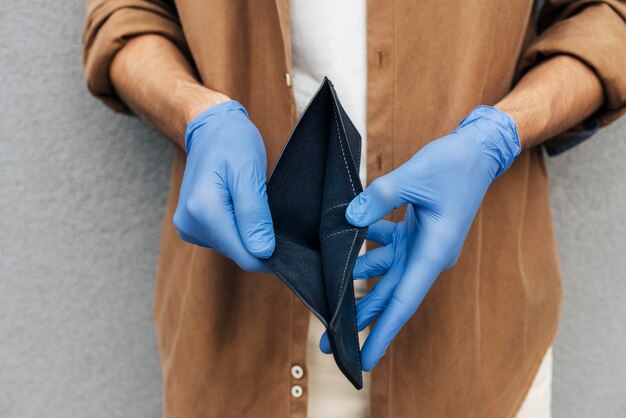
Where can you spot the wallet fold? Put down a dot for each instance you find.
(314, 180)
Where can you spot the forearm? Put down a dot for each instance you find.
(155, 80)
(551, 98)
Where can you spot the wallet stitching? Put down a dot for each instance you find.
(335, 207)
(356, 231)
(336, 233)
(345, 161)
(345, 267)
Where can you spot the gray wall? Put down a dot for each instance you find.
(81, 199)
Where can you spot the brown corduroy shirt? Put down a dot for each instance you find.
(228, 339)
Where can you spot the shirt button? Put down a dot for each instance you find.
(288, 79)
(296, 391)
(297, 372)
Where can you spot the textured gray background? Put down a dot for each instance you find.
(81, 199)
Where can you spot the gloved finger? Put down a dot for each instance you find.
(393, 317)
(381, 197)
(233, 248)
(368, 309)
(218, 227)
(252, 212)
(190, 239)
(373, 263)
(325, 344)
(371, 306)
(418, 277)
(187, 226)
(381, 232)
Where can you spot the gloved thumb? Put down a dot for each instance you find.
(380, 198)
(252, 211)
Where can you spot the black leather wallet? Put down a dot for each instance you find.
(309, 189)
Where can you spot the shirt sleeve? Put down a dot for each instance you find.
(594, 32)
(109, 25)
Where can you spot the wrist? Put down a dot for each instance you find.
(497, 135)
(529, 120)
(210, 115)
(195, 99)
(552, 97)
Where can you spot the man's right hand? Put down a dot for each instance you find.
(223, 201)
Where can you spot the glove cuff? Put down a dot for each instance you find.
(500, 140)
(208, 115)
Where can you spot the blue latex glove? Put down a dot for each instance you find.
(223, 202)
(443, 185)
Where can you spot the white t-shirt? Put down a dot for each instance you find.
(328, 38)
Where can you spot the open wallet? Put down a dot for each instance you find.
(309, 189)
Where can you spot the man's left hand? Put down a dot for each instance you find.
(443, 186)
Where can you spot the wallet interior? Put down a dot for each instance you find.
(309, 189)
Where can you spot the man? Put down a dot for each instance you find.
(234, 341)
